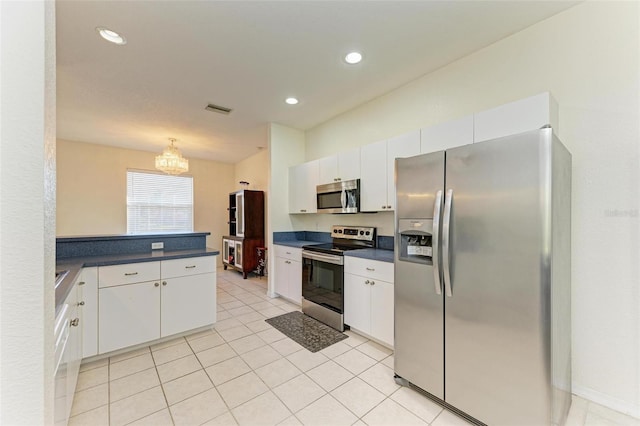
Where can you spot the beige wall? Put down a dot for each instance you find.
(587, 57)
(92, 190)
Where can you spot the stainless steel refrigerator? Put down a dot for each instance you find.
(482, 278)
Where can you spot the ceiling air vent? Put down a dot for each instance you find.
(219, 109)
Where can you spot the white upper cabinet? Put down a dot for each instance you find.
(340, 167)
(403, 146)
(303, 180)
(373, 180)
(516, 117)
(449, 134)
(377, 162)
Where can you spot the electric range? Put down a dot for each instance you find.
(323, 273)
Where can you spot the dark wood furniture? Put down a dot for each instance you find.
(246, 231)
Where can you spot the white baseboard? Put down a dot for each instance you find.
(616, 404)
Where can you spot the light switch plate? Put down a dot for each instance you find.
(157, 246)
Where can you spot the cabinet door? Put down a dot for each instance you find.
(402, 146)
(73, 352)
(382, 311)
(349, 164)
(328, 169)
(239, 254)
(357, 303)
(303, 180)
(281, 276)
(516, 117)
(240, 214)
(373, 177)
(447, 135)
(187, 303)
(129, 315)
(89, 276)
(294, 281)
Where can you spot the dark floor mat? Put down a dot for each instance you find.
(306, 331)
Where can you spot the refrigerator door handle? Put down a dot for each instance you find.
(446, 235)
(435, 241)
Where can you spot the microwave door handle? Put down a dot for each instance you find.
(343, 198)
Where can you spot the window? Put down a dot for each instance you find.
(159, 203)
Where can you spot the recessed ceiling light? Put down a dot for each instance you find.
(291, 101)
(111, 36)
(353, 57)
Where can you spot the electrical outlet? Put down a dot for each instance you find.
(157, 246)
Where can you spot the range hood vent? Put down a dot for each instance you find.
(219, 109)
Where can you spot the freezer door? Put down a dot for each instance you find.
(419, 351)
(497, 362)
(417, 181)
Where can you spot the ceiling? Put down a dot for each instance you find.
(249, 56)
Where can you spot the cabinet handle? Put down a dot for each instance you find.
(303, 211)
(384, 207)
(288, 252)
(370, 269)
(127, 274)
(190, 267)
(81, 303)
(367, 282)
(156, 284)
(388, 207)
(164, 283)
(372, 282)
(81, 283)
(74, 322)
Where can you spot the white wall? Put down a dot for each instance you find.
(286, 148)
(27, 211)
(587, 57)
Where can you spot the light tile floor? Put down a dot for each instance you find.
(243, 371)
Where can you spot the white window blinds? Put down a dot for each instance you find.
(159, 203)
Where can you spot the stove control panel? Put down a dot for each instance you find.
(361, 233)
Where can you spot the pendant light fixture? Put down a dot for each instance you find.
(171, 161)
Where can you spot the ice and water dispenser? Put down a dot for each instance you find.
(415, 238)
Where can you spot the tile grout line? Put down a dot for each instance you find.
(155, 366)
(213, 384)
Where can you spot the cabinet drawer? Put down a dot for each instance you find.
(188, 266)
(369, 268)
(286, 252)
(109, 276)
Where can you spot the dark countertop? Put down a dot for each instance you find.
(75, 264)
(372, 253)
(297, 243)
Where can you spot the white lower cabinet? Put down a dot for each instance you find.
(67, 353)
(73, 352)
(368, 298)
(288, 273)
(187, 303)
(129, 314)
(89, 282)
(181, 298)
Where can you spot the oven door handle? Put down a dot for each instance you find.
(336, 260)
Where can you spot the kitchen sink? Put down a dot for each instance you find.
(60, 277)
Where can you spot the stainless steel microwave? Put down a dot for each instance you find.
(339, 197)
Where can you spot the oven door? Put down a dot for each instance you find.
(339, 197)
(322, 279)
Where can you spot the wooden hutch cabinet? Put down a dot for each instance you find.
(246, 231)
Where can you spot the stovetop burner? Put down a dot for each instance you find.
(346, 238)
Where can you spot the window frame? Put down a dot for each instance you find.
(159, 173)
